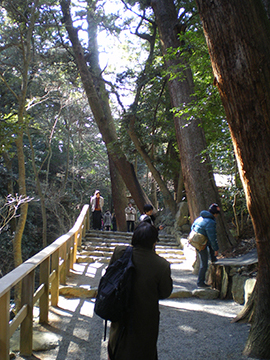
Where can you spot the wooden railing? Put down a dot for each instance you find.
(54, 263)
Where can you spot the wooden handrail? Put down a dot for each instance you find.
(63, 250)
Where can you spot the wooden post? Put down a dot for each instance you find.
(69, 256)
(84, 226)
(4, 326)
(79, 237)
(75, 247)
(88, 219)
(44, 299)
(63, 255)
(26, 333)
(55, 282)
(71, 252)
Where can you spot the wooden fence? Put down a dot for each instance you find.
(53, 263)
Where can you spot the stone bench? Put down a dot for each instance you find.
(235, 277)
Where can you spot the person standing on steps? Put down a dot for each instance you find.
(148, 216)
(206, 225)
(135, 337)
(130, 212)
(107, 220)
(96, 203)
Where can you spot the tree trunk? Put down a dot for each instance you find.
(247, 313)
(64, 184)
(40, 193)
(168, 199)
(198, 176)
(119, 197)
(153, 195)
(180, 187)
(237, 34)
(99, 102)
(10, 190)
(17, 241)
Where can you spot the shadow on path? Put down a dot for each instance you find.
(190, 329)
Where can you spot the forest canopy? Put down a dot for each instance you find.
(52, 148)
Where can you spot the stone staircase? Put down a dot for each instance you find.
(98, 246)
(95, 253)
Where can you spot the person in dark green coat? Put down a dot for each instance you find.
(135, 338)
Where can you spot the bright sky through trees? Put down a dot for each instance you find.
(118, 50)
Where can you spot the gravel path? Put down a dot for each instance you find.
(190, 329)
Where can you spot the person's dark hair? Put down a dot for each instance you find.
(147, 207)
(145, 235)
(214, 209)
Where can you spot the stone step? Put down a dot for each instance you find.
(96, 253)
(169, 250)
(91, 249)
(118, 236)
(93, 259)
(108, 234)
(98, 246)
(108, 253)
(103, 241)
(106, 259)
(90, 254)
(95, 244)
(117, 233)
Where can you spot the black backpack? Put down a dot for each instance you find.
(113, 300)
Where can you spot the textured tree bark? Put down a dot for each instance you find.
(237, 35)
(247, 313)
(99, 102)
(17, 241)
(8, 163)
(119, 197)
(198, 176)
(40, 193)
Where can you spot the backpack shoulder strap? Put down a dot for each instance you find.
(127, 254)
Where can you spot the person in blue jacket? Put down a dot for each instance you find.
(206, 225)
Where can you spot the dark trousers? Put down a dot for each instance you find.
(203, 254)
(97, 220)
(130, 226)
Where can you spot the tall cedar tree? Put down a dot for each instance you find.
(237, 35)
(197, 169)
(99, 102)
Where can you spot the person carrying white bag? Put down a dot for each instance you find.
(203, 237)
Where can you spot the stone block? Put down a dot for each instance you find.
(84, 259)
(181, 217)
(206, 294)
(77, 292)
(224, 283)
(180, 294)
(248, 288)
(238, 282)
(43, 339)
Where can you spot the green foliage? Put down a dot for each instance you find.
(69, 153)
(8, 129)
(207, 104)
